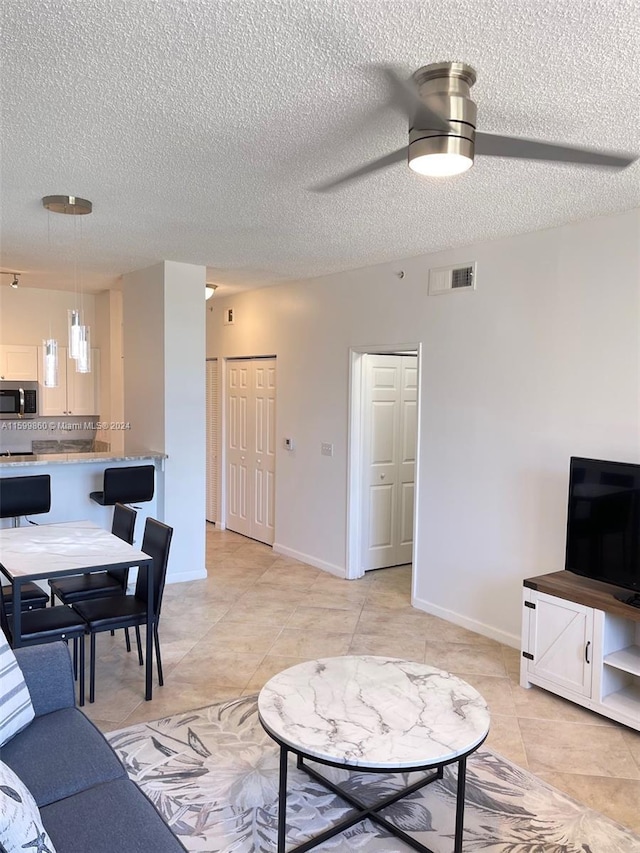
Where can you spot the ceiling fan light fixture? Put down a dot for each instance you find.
(440, 165)
(441, 156)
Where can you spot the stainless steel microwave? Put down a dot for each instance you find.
(18, 400)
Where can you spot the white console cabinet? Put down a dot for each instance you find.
(580, 642)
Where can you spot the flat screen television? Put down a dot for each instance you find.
(603, 521)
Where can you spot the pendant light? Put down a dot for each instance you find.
(79, 335)
(50, 364)
(83, 359)
(75, 331)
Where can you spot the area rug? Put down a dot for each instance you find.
(213, 774)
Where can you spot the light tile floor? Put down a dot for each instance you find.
(258, 613)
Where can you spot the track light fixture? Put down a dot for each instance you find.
(14, 284)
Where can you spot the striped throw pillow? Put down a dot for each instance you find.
(16, 710)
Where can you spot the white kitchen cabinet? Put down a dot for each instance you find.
(587, 654)
(76, 393)
(19, 362)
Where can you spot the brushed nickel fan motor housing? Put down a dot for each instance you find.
(445, 87)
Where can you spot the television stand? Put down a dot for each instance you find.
(581, 640)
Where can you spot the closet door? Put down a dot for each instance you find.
(213, 431)
(389, 448)
(250, 450)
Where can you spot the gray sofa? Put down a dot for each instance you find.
(86, 800)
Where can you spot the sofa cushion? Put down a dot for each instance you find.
(16, 710)
(110, 818)
(20, 822)
(49, 675)
(61, 753)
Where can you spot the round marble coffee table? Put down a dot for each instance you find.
(375, 714)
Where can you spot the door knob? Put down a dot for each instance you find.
(258, 461)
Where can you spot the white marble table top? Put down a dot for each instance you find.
(44, 549)
(366, 711)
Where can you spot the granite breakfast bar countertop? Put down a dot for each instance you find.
(41, 459)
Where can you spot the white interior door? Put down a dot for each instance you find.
(263, 458)
(389, 451)
(213, 430)
(250, 451)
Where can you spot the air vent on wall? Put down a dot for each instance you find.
(455, 278)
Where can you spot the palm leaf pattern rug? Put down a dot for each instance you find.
(213, 774)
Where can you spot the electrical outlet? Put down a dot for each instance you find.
(326, 448)
(288, 443)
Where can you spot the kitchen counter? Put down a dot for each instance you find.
(75, 475)
(40, 459)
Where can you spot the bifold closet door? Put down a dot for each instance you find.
(250, 450)
(213, 431)
(389, 456)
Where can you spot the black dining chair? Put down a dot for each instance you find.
(47, 625)
(130, 611)
(99, 584)
(32, 597)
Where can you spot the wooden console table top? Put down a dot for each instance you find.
(591, 593)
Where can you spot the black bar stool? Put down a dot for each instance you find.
(24, 496)
(131, 485)
(20, 496)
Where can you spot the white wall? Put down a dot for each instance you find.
(29, 314)
(164, 397)
(143, 358)
(540, 363)
(109, 335)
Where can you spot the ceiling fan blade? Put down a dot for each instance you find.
(406, 98)
(493, 145)
(375, 165)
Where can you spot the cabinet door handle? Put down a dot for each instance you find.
(586, 651)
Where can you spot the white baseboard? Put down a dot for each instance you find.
(194, 575)
(338, 571)
(508, 639)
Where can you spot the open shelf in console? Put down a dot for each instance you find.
(626, 701)
(621, 644)
(620, 677)
(628, 660)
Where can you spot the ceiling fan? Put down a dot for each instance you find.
(442, 130)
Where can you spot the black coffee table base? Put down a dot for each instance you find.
(362, 810)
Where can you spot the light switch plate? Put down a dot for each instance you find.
(326, 448)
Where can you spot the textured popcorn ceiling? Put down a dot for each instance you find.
(197, 126)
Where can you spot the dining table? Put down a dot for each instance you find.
(43, 551)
